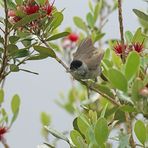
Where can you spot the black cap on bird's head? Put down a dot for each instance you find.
(75, 64)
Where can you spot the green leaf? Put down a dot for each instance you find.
(13, 39)
(97, 10)
(57, 36)
(57, 20)
(99, 36)
(104, 110)
(117, 60)
(128, 36)
(27, 19)
(56, 134)
(75, 136)
(14, 68)
(1, 96)
(141, 14)
(132, 65)
(45, 119)
(41, 2)
(11, 4)
(138, 36)
(14, 117)
(101, 131)
(128, 108)
(5, 116)
(82, 125)
(90, 5)
(38, 57)
(140, 131)
(45, 51)
(119, 116)
(107, 54)
(136, 87)
(117, 79)
(90, 20)
(21, 53)
(80, 23)
(15, 104)
(19, 2)
(12, 49)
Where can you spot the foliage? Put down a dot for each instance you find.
(29, 31)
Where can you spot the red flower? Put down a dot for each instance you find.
(31, 9)
(73, 37)
(48, 8)
(3, 130)
(118, 48)
(138, 46)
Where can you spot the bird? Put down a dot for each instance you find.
(86, 61)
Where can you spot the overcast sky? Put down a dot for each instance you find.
(38, 92)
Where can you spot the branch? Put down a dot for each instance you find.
(112, 100)
(4, 59)
(121, 27)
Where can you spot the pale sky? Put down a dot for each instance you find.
(38, 92)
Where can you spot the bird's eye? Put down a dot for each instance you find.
(75, 64)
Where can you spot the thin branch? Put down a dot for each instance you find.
(4, 59)
(127, 115)
(121, 27)
(112, 100)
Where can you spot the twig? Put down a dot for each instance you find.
(121, 28)
(4, 59)
(113, 101)
(129, 129)
(127, 115)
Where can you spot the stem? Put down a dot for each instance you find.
(4, 59)
(129, 130)
(112, 100)
(128, 120)
(121, 28)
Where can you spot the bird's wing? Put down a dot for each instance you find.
(94, 60)
(85, 48)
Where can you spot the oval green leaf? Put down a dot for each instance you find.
(57, 20)
(141, 14)
(57, 36)
(45, 119)
(45, 51)
(128, 36)
(80, 23)
(75, 136)
(14, 68)
(15, 104)
(117, 79)
(132, 65)
(1, 96)
(140, 131)
(101, 131)
(56, 133)
(90, 20)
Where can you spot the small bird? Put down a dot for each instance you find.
(86, 61)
